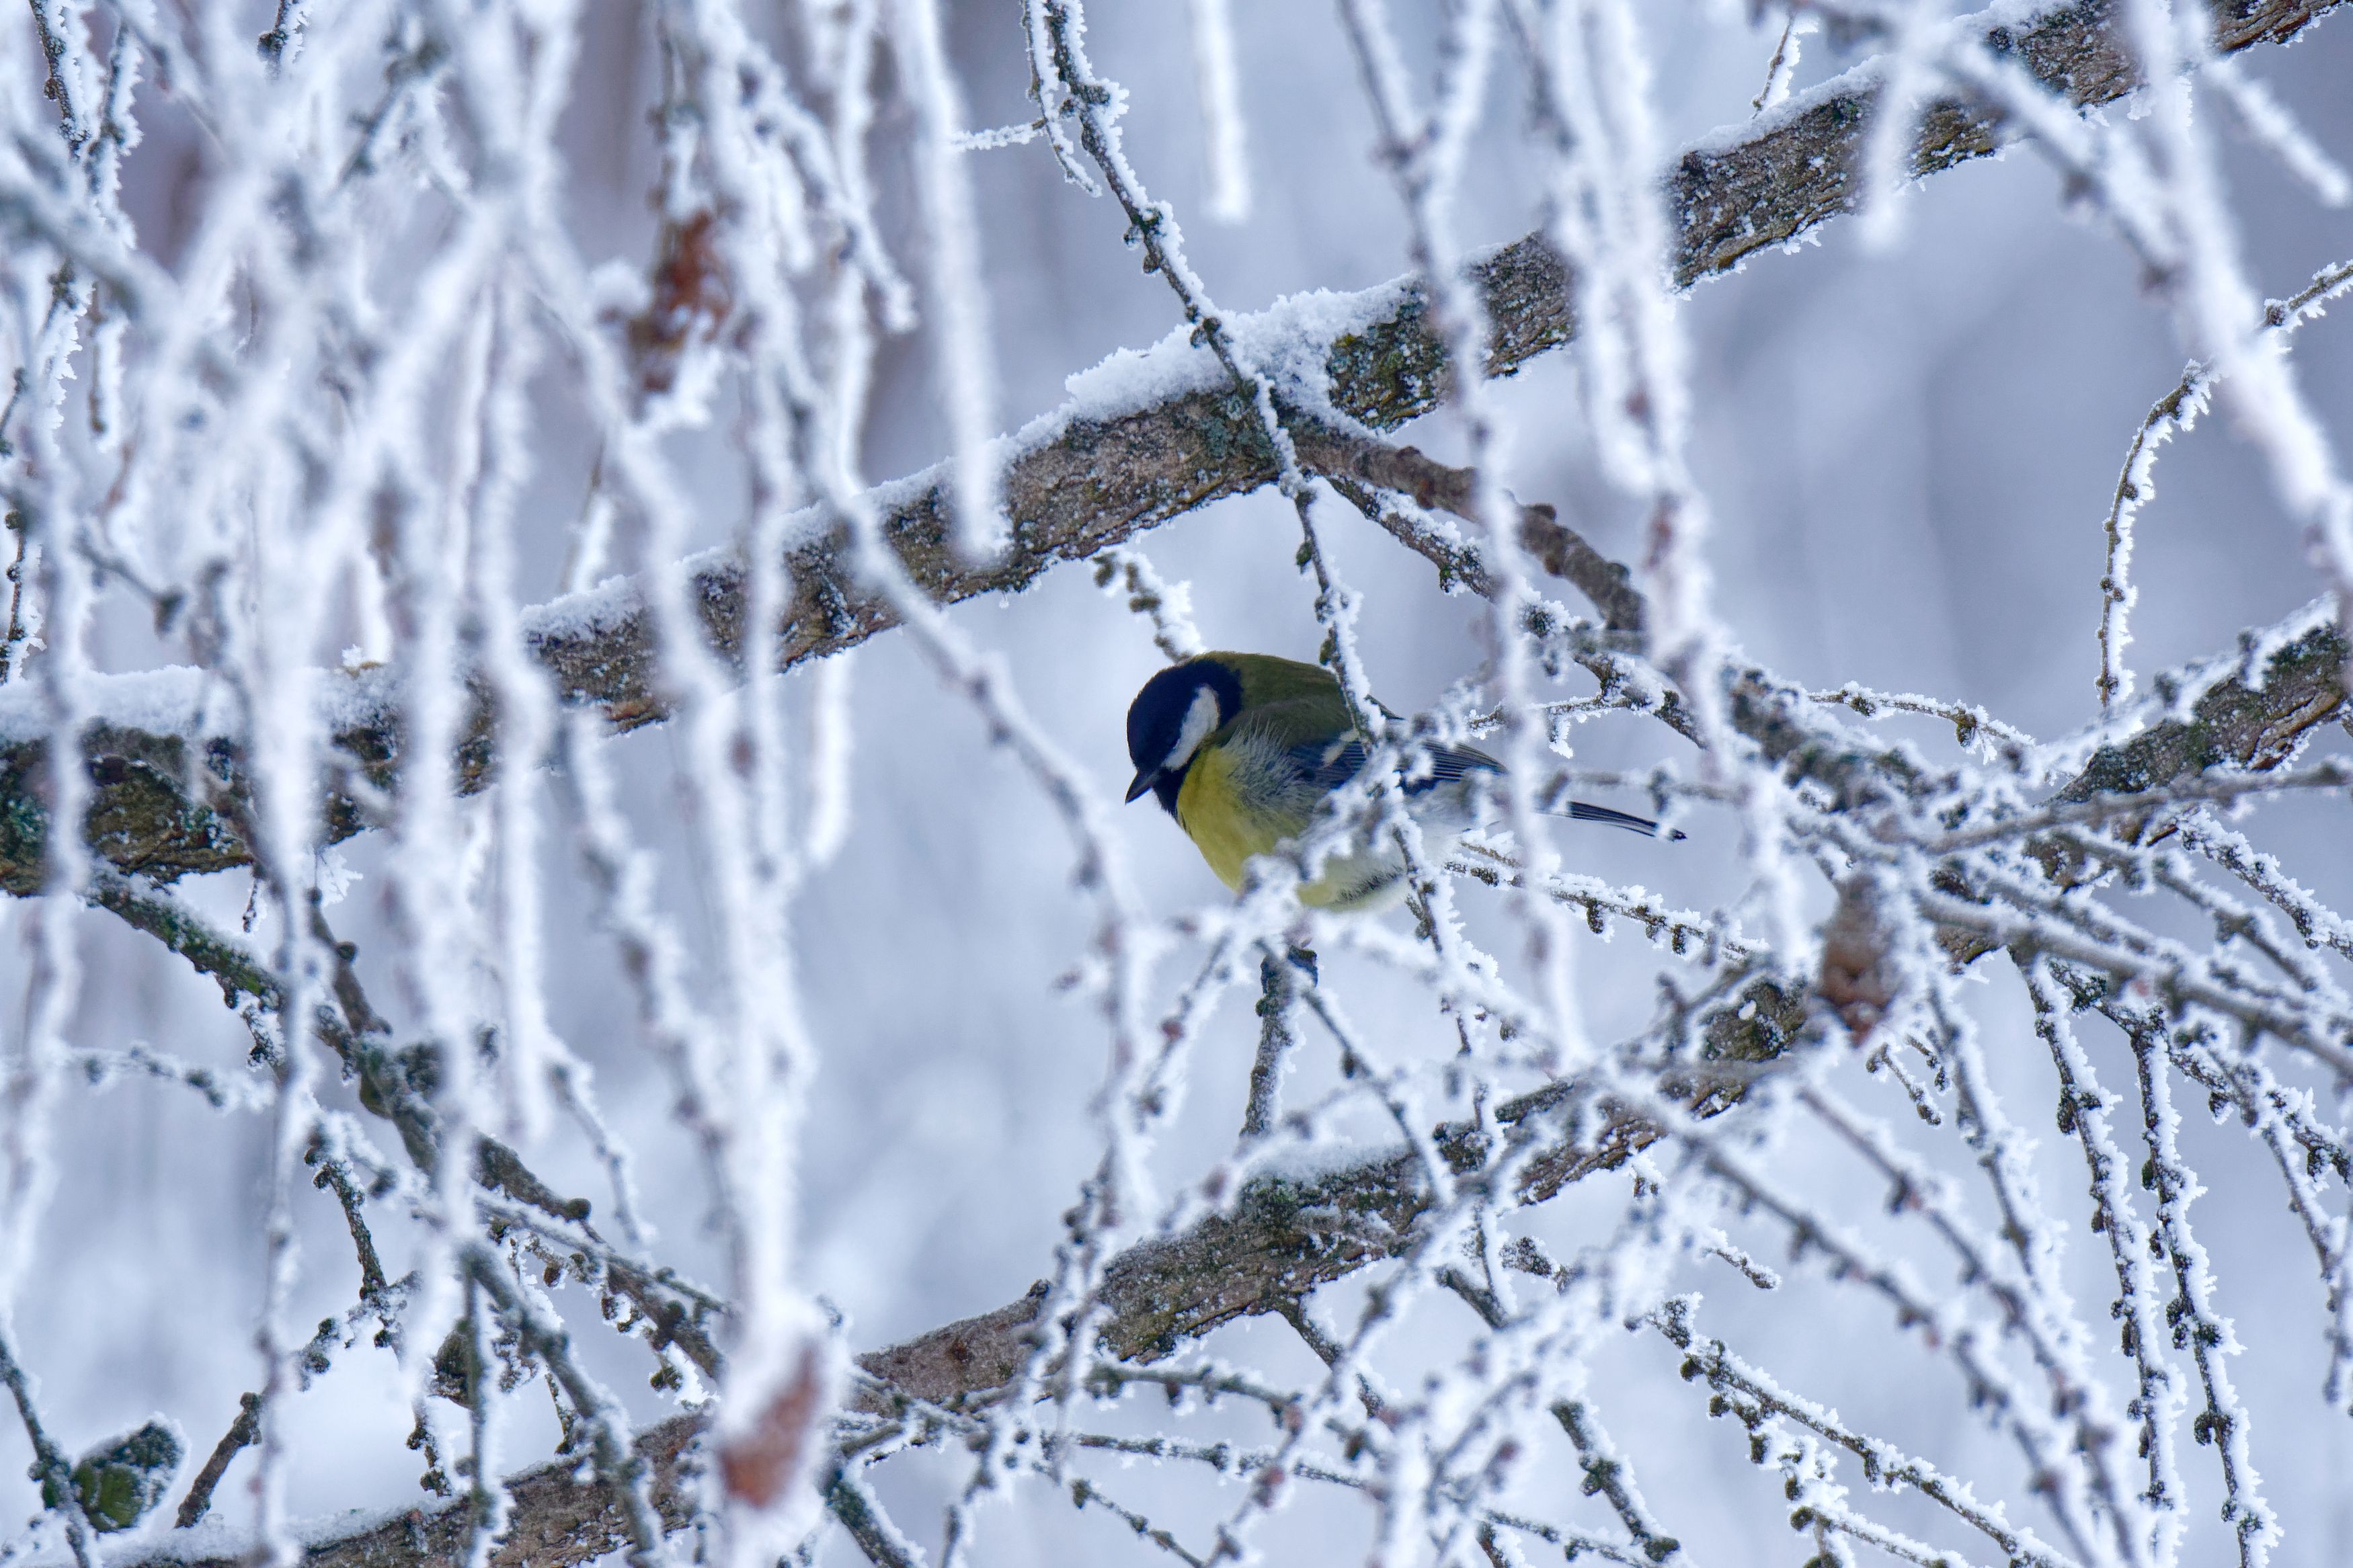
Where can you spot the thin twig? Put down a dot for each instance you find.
(242, 1432)
(50, 1466)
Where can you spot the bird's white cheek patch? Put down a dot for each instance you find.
(1200, 723)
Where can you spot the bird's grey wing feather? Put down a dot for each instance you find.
(1328, 765)
(1315, 768)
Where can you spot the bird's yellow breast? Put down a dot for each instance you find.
(1228, 822)
(1222, 820)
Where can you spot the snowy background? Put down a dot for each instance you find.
(1908, 451)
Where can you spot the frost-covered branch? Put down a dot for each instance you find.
(2176, 414)
(559, 1518)
(1754, 1398)
(1133, 451)
(1283, 1236)
(49, 1466)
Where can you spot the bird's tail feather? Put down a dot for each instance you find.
(1581, 811)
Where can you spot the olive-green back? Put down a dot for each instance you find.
(1296, 703)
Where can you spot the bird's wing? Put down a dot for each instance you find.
(1328, 764)
(1323, 764)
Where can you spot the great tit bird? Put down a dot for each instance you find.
(1241, 747)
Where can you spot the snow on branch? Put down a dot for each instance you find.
(1145, 438)
(559, 1518)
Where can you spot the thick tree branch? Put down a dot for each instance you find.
(560, 1519)
(2252, 718)
(1087, 477)
(1285, 1236)
(1361, 468)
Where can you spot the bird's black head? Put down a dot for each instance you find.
(1178, 709)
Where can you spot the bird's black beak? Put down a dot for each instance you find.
(1145, 779)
